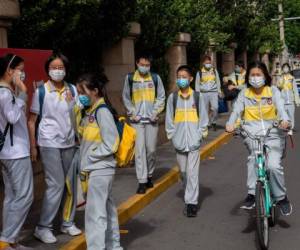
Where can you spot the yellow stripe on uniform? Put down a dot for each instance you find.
(91, 133)
(267, 92)
(188, 115)
(257, 113)
(69, 200)
(147, 94)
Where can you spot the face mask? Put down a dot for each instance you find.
(85, 100)
(208, 65)
(22, 76)
(57, 74)
(286, 70)
(182, 83)
(257, 81)
(237, 69)
(143, 70)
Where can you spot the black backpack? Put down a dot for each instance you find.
(196, 96)
(7, 127)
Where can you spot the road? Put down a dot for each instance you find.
(220, 224)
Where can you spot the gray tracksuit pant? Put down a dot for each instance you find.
(56, 163)
(275, 150)
(189, 164)
(290, 109)
(18, 182)
(101, 218)
(211, 98)
(145, 150)
(70, 196)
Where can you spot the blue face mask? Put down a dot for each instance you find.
(143, 70)
(182, 83)
(85, 100)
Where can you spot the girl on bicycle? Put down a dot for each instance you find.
(260, 105)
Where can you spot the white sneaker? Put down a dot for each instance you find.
(290, 132)
(72, 230)
(45, 235)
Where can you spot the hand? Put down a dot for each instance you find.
(154, 118)
(231, 87)
(33, 154)
(284, 125)
(204, 133)
(135, 118)
(229, 128)
(220, 94)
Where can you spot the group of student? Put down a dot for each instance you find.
(74, 130)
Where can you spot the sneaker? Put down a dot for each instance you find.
(72, 230)
(214, 126)
(45, 235)
(285, 206)
(249, 202)
(290, 132)
(141, 188)
(191, 210)
(149, 184)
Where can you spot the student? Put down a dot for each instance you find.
(208, 83)
(260, 105)
(15, 154)
(186, 125)
(289, 93)
(99, 141)
(56, 141)
(144, 100)
(238, 76)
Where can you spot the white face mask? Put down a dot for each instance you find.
(57, 74)
(208, 65)
(257, 81)
(286, 70)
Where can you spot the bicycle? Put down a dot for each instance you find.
(265, 205)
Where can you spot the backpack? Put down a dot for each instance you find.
(196, 96)
(154, 77)
(7, 127)
(127, 135)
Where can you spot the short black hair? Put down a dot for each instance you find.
(9, 61)
(240, 63)
(286, 65)
(54, 56)
(144, 55)
(263, 68)
(185, 68)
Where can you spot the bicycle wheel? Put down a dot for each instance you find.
(262, 222)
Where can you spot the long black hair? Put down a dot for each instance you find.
(9, 61)
(97, 81)
(263, 68)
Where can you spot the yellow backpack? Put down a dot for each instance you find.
(127, 135)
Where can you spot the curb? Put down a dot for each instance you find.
(136, 203)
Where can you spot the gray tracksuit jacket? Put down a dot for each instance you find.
(99, 141)
(259, 115)
(208, 81)
(183, 126)
(288, 87)
(142, 101)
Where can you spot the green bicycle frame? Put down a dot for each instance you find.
(262, 176)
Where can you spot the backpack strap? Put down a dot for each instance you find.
(9, 126)
(42, 93)
(154, 77)
(71, 87)
(197, 101)
(175, 98)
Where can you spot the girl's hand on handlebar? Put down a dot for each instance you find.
(284, 125)
(229, 128)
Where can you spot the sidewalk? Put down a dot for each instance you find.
(125, 186)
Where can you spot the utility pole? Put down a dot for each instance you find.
(284, 54)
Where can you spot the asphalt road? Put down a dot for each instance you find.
(220, 224)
